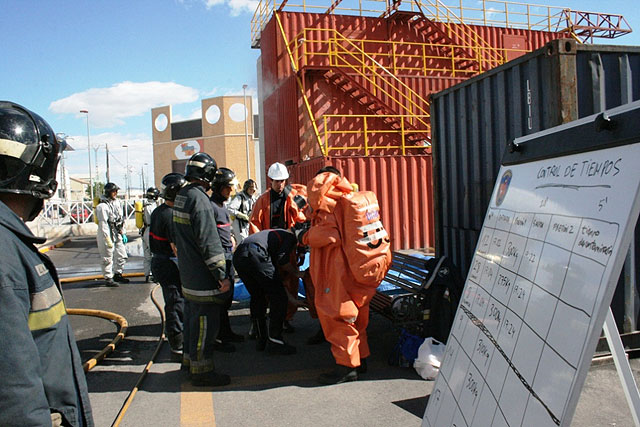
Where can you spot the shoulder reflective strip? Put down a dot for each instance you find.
(45, 299)
(11, 148)
(224, 225)
(182, 221)
(156, 237)
(47, 318)
(373, 237)
(369, 208)
(373, 226)
(196, 163)
(214, 259)
(180, 214)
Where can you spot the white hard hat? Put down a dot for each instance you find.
(278, 171)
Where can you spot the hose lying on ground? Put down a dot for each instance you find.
(146, 369)
(121, 321)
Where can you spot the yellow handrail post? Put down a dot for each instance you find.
(402, 135)
(326, 140)
(393, 57)
(453, 63)
(366, 139)
(424, 59)
(300, 85)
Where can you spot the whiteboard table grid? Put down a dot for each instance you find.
(508, 260)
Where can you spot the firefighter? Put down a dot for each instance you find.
(280, 207)
(262, 260)
(163, 260)
(43, 382)
(152, 202)
(111, 237)
(202, 266)
(240, 208)
(223, 184)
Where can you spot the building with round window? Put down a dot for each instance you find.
(227, 131)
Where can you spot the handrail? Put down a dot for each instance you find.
(464, 32)
(366, 67)
(497, 13)
(392, 58)
(323, 149)
(367, 130)
(412, 108)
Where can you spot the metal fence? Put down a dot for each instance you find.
(81, 212)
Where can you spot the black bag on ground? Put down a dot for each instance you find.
(442, 291)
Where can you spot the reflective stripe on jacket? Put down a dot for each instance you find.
(200, 255)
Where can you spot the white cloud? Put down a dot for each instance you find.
(108, 107)
(237, 6)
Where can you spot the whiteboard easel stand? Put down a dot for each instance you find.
(622, 366)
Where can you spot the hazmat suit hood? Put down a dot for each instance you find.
(325, 189)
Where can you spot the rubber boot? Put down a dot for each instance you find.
(362, 369)
(261, 334)
(253, 329)
(317, 338)
(276, 345)
(210, 379)
(226, 335)
(340, 374)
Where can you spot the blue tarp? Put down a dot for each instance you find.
(241, 293)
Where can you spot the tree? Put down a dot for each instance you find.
(98, 189)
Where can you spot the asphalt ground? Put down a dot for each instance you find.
(266, 390)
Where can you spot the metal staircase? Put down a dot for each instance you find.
(371, 72)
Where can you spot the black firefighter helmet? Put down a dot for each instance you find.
(171, 184)
(29, 152)
(152, 193)
(201, 166)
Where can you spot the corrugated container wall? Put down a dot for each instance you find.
(473, 121)
(404, 184)
(405, 196)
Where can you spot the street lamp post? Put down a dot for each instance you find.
(127, 175)
(246, 130)
(89, 151)
(96, 148)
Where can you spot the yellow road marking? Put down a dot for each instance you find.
(196, 403)
(196, 407)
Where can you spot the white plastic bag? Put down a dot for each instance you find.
(430, 354)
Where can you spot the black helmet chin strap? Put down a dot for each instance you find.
(37, 208)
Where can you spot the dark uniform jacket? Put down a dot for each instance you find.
(223, 221)
(161, 231)
(40, 364)
(201, 258)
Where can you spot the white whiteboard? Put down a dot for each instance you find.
(538, 290)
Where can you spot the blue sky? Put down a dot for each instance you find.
(120, 58)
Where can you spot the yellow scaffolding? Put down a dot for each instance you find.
(496, 13)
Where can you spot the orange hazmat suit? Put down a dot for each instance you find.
(341, 302)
